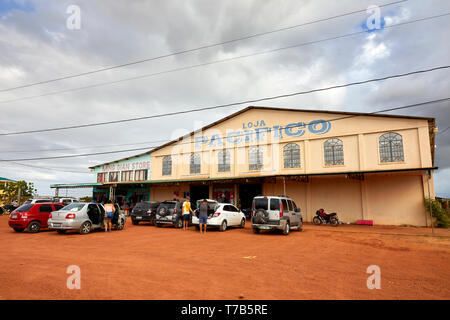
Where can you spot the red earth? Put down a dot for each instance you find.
(145, 262)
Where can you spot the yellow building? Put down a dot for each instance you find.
(4, 181)
(362, 166)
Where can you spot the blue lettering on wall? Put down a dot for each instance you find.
(215, 138)
(261, 131)
(297, 127)
(319, 126)
(234, 137)
(199, 141)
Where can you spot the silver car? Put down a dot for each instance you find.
(84, 217)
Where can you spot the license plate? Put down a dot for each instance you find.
(138, 218)
(57, 224)
(14, 216)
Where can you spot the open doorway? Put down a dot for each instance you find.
(197, 193)
(246, 194)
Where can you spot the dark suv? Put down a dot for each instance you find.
(144, 211)
(169, 212)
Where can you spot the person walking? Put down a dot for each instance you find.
(186, 213)
(203, 215)
(109, 207)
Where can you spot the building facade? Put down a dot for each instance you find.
(362, 166)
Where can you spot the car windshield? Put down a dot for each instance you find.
(261, 203)
(74, 207)
(27, 202)
(24, 208)
(212, 206)
(169, 205)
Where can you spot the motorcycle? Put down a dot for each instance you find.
(326, 218)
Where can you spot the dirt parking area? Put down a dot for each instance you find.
(145, 262)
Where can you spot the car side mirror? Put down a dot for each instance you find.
(297, 210)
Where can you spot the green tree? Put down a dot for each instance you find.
(440, 214)
(10, 191)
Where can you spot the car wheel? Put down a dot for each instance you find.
(317, 221)
(34, 227)
(179, 223)
(286, 229)
(61, 231)
(135, 222)
(256, 230)
(300, 227)
(159, 225)
(85, 228)
(242, 226)
(153, 221)
(19, 229)
(120, 224)
(334, 222)
(223, 226)
(197, 227)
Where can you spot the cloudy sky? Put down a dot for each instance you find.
(36, 45)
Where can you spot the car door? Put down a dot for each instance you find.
(226, 214)
(297, 215)
(43, 212)
(292, 215)
(236, 215)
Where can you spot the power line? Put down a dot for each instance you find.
(211, 62)
(445, 130)
(194, 49)
(230, 104)
(191, 142)
(46, 168)
(78, 148)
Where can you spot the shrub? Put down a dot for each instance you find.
(440, 214)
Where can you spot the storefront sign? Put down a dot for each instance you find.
(137, 163)
(255, 131)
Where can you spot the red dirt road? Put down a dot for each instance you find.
(145, 262)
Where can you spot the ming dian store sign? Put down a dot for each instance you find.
(140, 163)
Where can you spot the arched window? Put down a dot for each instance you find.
(224, 160)
(195, 163)
(167, 166)
(391, 147)
(334, 152)
(291, 155)
(255, 158)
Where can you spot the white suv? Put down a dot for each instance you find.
(221, 215)
(271, 212)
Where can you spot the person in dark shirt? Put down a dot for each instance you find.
(203, 215)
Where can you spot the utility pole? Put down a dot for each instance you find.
(19, 194)
(429, 198)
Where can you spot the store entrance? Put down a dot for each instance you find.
(246, 194)
(197, 193)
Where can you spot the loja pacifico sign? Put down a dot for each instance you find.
(255, 131)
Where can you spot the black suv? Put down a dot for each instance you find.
(144, 211)
(170, 212)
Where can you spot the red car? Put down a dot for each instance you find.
(32, 217)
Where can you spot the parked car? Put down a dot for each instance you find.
(38, 200)
(144, 211)
(66, 200)
(84, 217)
(270, 212)
(221, 215)
(32, 217)
(169, 213)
